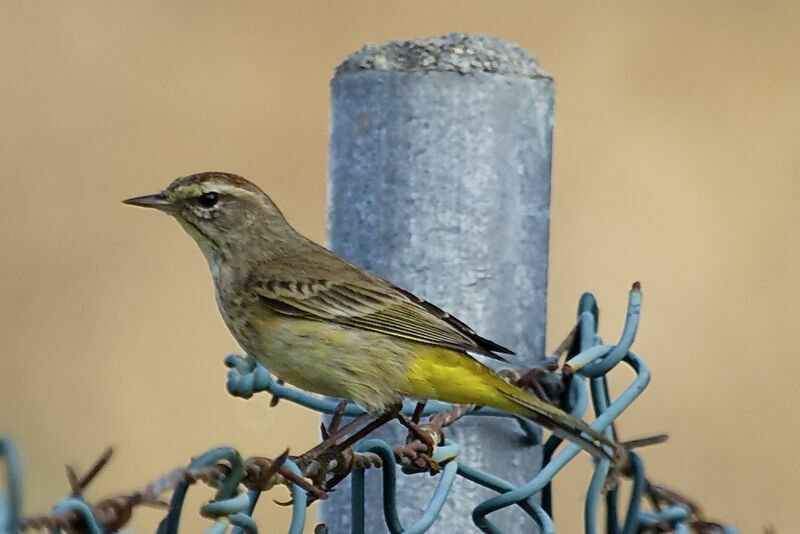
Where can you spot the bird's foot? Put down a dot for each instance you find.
(417, 453)
(429, 434)
(336, 420)
(415, 458)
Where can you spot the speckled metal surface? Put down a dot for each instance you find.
(440, 182)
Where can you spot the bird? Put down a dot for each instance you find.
(328, 326)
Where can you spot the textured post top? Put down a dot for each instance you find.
(454, 52)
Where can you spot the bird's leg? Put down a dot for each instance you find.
(337, 415)
(333, 426)
(422, 439)
(331, 449)
(337, 458)
(432, 433)
(376, 423)
(417, 453)
(317, 461)
(423, 434)
(339, 433)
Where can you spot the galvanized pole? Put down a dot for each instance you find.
(439, 180)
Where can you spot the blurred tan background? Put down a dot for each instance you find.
(676, 163)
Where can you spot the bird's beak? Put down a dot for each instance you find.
(158, 201)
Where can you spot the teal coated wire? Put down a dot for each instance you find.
(226, 507)
(578, 401)
(592, 503)
(384, 451)
(447, 452)
(570, 451)
(247, 377)
(487, 480)
(637, 492)
(448, 476)
(226, 490)
(227, 500)
(243, 523)
(170, 523)
(622, 347)
(672, 514)
(240, 520)
(219, 527)
(84, 511)
(590, 360)
(10, 510)
(299, 501)
(587, 339)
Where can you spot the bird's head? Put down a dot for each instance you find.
(220, 211)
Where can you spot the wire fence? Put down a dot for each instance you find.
(343, 452)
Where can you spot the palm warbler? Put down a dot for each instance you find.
(327, 326)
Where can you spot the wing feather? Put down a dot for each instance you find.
(378, 308)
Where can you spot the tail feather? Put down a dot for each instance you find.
(560, 423)
(444, 374)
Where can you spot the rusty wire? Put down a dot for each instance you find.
(312, 474)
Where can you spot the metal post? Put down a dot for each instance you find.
(439, 180)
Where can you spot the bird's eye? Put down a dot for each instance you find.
(208, 200)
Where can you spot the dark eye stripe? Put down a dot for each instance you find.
(208, 200)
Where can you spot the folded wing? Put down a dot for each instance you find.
(354, 298)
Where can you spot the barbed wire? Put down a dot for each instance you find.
(239, 482)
